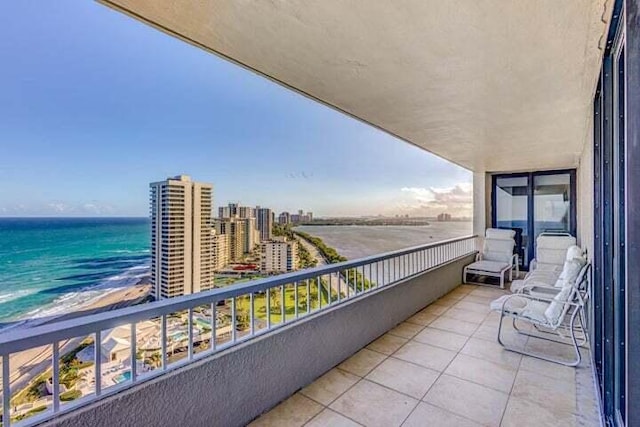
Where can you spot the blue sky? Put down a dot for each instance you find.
(95, 105)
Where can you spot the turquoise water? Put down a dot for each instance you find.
(125, 376)
(50, 266)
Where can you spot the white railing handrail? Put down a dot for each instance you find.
(20, 340)
(356, 278)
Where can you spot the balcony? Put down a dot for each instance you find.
(443, 366)
(384, 340)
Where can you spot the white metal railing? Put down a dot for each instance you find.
(142, 342)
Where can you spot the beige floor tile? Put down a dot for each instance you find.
(478, 299)
(426, 415)
(406, 330)
(362, 362)
(440, 338)
(425, 355)
(405, 377)
(473, 306)
(465, 315)
(329, 418)
(468, 287)
(329, 386)
(435, 309)
(556, 395)
(485, 291)
(473, 401)
(492, 319)
(550, 349)
(509, 335)
(553, 370)
(449, 300)
(293, 412)
(523, 413)
(498, 377)
(491, 351)
(387, 344)
(422, 319)
(374, 405)
(454, 296)
(454, 325)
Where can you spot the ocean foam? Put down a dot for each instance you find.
(76, 300)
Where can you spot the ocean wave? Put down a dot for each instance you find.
(14, 295)
(76, 300)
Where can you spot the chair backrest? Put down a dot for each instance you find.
(499, 233)
(570, 293)
(498, 245)
(552, 248)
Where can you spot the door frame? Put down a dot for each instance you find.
(573, 226)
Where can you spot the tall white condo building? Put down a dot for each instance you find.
(181, 237)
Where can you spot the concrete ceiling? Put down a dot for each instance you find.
(492, 85)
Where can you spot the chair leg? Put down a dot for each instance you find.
(574, 342)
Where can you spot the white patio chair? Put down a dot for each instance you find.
(497, 257)
(554, 319)
(546, 267)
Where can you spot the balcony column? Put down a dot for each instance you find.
(481, 202)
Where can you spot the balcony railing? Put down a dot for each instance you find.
(171, 333)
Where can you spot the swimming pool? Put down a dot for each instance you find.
(125, 376)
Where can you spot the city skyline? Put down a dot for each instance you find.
(163, 107)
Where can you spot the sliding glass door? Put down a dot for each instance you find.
(533, 203)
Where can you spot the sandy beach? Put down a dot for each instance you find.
(26, 365)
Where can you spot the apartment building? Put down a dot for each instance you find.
(278, 255)
(181, 262)
(220, 250)
(264, 218)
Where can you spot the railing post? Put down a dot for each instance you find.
(97, 360)
(134, 350)
(6, 391)
(56, 376)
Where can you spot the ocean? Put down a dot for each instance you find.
(357, 241)
(51, 266)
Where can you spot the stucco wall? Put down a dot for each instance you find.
(233, 387)
(584, 184)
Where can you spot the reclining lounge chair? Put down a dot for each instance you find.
(497, 257)
(554, 318)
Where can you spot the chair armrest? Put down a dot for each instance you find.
(541, 299)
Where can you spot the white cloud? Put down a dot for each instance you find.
(431, 201)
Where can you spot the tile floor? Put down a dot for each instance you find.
(443, 367)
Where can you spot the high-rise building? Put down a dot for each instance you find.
(181, 261)
(278, 256)
(264, 218)
(284, 218)
(242, 235)
(220, 250)
(234, 210)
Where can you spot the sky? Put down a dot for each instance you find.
(95, 105)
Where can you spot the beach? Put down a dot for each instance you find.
(26, 365)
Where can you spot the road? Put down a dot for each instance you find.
(340, 286)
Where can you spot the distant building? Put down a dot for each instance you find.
(181, 257)
(219, 250)
(264, 218)
(278, 256)
(284, 218)
(242, 235)
(444, 217)
(301, 217)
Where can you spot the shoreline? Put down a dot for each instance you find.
(39, 359)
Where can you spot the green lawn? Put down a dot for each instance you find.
(275, 302)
